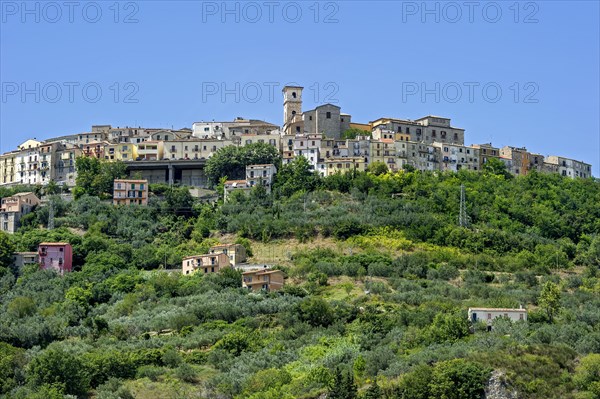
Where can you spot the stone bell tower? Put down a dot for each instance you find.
(292, 106)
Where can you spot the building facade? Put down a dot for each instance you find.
(261, 175)
(57, 256)
(570, 167)
(263, 280)
(235, 252)
(130, 192)
(12, 209)
(211, 263)
(489, 314)
(22, 259)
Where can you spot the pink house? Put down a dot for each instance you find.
(56, 256)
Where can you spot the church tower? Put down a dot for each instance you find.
(292, 105)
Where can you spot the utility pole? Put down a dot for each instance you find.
(462, 212)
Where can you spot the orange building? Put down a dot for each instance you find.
(128, 192)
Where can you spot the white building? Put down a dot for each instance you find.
(308, 146)
(454, 157)
(570, 167)
(486, 315)
(261, 174)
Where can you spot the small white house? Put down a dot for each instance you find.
(486, 315)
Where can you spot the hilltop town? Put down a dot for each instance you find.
(327, 259)
(325, 136)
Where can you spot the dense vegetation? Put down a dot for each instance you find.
(379, 280)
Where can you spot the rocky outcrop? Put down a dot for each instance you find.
(498, 388)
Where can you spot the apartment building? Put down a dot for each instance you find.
(125, 134)
(516, 159)
(380, 132)
(384, 150)
(57, 256)
(65, 164)
(211, 263)
(235, 252)
(170, 135)
(150, 150)
(8, 168)
(437, 128)
(570, 167)
(94, 149)
(427, 129)
(12, 209)
(308, 146)
(454, 157)
(27, 162)
(419, 155)
(263, 280)
(261, 174)
(486, 152)
(360, 147)
(536, 162)
(343, 165)
(120, 152)
(254, 138)
(130, 192)
(97, 136)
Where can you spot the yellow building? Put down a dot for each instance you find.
(121, 152)
(235, 252)
(344, 165)
(151, 150)
(8, 167)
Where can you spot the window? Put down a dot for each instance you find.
(521, 316)
(297, 129)
(328, 115)
(489, 316)
(293, 94)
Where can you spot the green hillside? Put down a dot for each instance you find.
(379, 277)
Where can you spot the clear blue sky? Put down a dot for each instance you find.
(374, 58)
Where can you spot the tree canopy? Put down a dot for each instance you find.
(231, 161)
